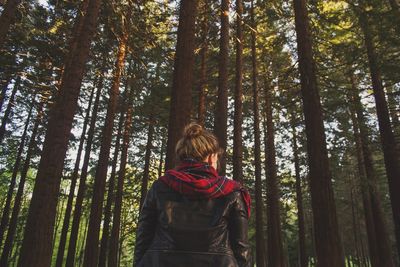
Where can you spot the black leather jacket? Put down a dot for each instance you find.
(174, 231)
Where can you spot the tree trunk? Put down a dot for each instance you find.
(92, 239)
(74, 178)
(7, 112)
(378, 239)
(36, 247)
(221, 110)
(110, 195)
(145, 179)
(113, 254)
(390, 153)
(238, 116)
(82, 181)
(260, 241)
(181, 93)
(299, 197)
(328, 243)
(7, 18)
(18, 197)
(275, 254)
(203, 63)
(7, 206)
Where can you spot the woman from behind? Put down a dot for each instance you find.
(192, 217)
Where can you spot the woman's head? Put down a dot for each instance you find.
(197, 143)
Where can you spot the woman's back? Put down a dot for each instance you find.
(192, 217)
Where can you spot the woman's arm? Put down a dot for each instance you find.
(146, 225)
(238, 231)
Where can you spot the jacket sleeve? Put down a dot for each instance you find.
(146, 225)
(238, 232)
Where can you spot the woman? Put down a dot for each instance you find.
(191, 216)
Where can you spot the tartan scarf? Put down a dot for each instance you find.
(199, 180)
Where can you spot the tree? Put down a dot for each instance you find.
(181, 92)
(328, 243)
(238, 116)
(260, 241)
(36, 247)
(221, 110)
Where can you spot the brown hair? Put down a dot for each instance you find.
(197, 143)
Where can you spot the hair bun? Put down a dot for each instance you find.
(192, 130)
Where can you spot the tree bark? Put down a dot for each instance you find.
(113, 254)
(18, 197)
(260, 241)
(390, 153)
(181, 93)
(36, 247)
(238, 116)
(146, 176)
(7, 18)
(74, 178)
(7, 112)
(111, 195)
(221, 111)
(299, 197)
(328, 243)
(378, 239)
(275, 254)
(82, 181)
(92, 239)
(7, 206)
(203, 63)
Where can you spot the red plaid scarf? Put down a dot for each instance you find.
(198, 180)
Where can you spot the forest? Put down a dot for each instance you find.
(304, 96)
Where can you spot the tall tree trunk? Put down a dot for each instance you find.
(36, 247)
(7, 206)
(390, 153)
(18, 197)
(378, 239)
(82, 181)
(181, 93)
(74, 178)
(7, 112)
(328, 243)
(145, 179)
(92, 239)
(238, 116)
(7, 18)
(203, 63)
(275, 254)
(113, 254)
(221, 110)
(299, 197)
(111, 195)
(260, 241)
